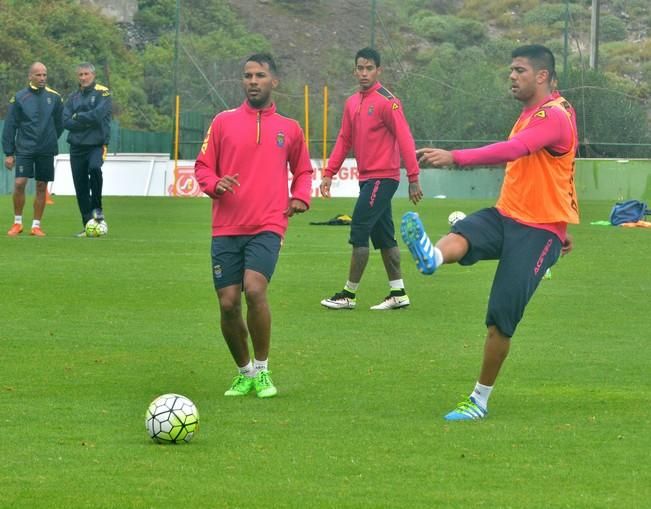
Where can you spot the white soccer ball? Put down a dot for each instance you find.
(96, 228)
(171, 419)
(455, 216)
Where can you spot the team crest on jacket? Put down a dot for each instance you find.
(371, 109)
(280, 139)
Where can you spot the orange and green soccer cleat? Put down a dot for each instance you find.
(16, 229)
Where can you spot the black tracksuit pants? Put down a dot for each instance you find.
(86, 164)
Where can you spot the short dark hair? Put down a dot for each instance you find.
(264, 58)
(368, 54)
(540, 57)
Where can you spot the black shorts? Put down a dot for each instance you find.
(232, 255)
(524, 254)
(38, 167)
(372, 216)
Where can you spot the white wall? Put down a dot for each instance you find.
(154, 175)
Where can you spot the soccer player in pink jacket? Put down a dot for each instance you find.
(243, 166)
(376, 129)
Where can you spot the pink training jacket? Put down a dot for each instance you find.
(261, 146)
(375, 127)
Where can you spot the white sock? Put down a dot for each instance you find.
(18, 219)
(438, 256)
(247, 370)
(481, 393)
(351, 287)
(36, 223)
(261, 365)
(397, 284)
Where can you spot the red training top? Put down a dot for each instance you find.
(375, 126)
(257, 145)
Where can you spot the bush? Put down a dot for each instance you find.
(611, 29)
(460, 32)
(553, 15)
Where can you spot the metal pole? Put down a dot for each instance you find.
(594, 36)
(565, 45)
(373, 6)
(177, 126)
(325, 128)
(176, 48)
(306, 95)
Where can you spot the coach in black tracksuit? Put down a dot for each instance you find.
(87, 116)
(29, 140)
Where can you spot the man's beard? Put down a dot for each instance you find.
(259, 101)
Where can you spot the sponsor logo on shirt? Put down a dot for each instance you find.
(541, 114)
(395, 106)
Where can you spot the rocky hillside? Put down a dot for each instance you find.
(311, 34)
(311, 38)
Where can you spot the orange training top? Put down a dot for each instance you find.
(539, 187)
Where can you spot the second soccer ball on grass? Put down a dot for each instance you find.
(455, 216)
(96, 228)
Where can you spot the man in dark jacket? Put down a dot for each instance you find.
(87, 116)
(29, 140)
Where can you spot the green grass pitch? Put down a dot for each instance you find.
(91, 330)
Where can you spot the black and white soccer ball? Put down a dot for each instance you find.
(171, 419)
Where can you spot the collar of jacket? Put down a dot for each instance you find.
(88, 88)
(372, 89)
(34, 89)
(269, 110)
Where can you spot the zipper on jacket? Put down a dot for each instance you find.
(258, 126)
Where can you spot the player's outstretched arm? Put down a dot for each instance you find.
(435, 156)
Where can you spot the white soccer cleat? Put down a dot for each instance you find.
(393, 302)
(340, 300)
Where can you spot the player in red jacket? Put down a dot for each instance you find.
(243, 166)
(374, 126)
